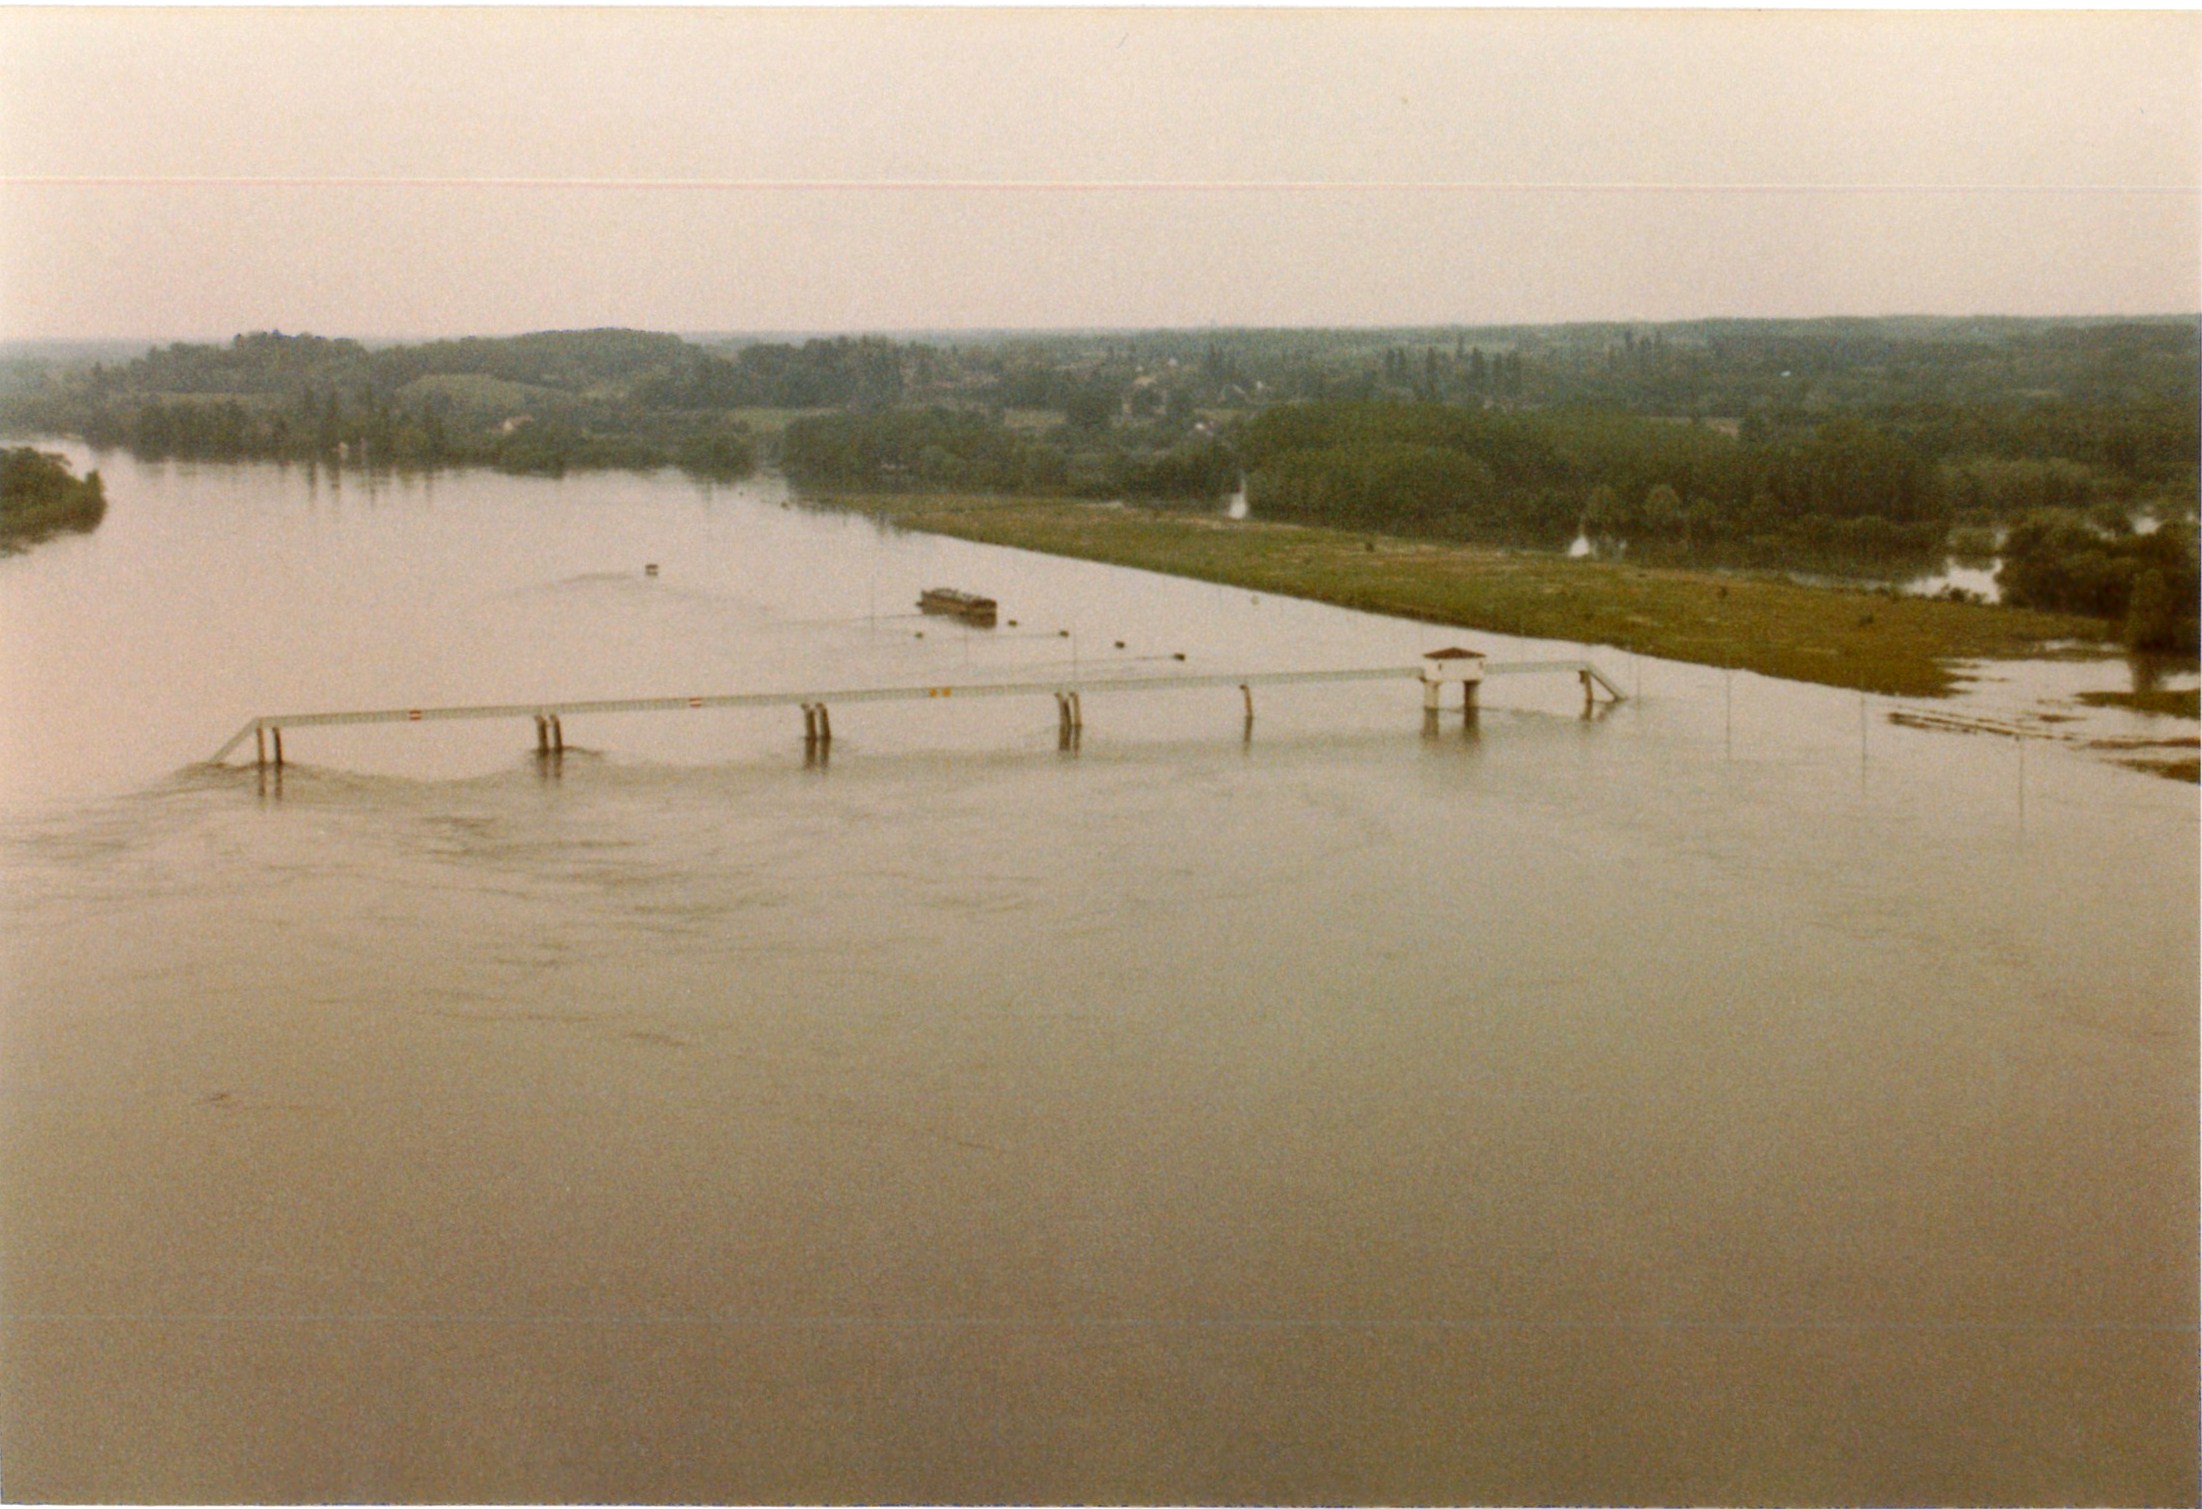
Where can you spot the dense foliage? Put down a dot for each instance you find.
(2146, 583)
(532, 403)
(816, 374)
(39, 497)
(1844, 488)
(939, 448)
(963, 450)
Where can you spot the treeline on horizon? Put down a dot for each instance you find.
(543, 403)
(1827, 444)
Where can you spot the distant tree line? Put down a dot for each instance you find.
(964, 450)
(1846, 489)
(369, 429)
(538, 403)
(817, 374)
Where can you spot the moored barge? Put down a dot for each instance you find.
(968, 606)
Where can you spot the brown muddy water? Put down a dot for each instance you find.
(1735, 1097)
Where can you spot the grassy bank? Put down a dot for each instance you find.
(1878, 643)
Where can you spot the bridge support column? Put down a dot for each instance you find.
(260, 744)
(1077, 714)
(278, 748)
(1586, 691)
(825, 725)
(542, 734)
(558, 735)
(810, 723)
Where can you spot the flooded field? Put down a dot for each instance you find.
(1737, 1095)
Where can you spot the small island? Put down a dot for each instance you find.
(40, 497)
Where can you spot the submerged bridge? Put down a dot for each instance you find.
(1463, 668)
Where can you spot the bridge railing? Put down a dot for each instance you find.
(549, 715)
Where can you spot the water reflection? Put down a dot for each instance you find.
(2161, 673)
(1970, 581)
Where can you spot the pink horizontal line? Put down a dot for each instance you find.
(1079, 186)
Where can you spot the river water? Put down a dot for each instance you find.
(1731, 1097)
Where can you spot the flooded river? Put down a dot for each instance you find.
(1731, 1097)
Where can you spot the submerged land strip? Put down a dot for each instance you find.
(1870, 641)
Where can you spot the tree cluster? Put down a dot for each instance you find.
(969, 450)
(2147, 584)
(538, 403)
(838, 373)
(40, 496)
(1846, 489)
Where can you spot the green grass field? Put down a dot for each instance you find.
(1868, 640)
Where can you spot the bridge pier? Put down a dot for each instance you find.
(542, 734)
(1430, 703)
(278, 748)
(558, 735)
(260, 745)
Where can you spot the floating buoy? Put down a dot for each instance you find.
(1120, 644)
(651, 569)
(1178, 655)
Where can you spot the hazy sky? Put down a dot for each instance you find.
(421, 171)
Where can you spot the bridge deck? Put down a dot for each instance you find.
(1060, 686)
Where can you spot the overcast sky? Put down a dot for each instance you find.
(435, 172)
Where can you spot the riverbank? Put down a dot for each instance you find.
(1869, 641)
(39, 497)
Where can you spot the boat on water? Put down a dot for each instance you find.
(968, 606)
